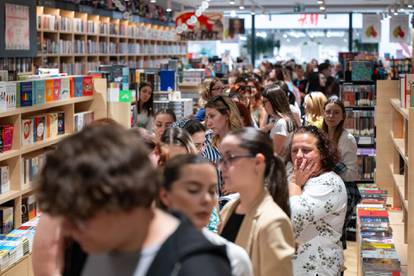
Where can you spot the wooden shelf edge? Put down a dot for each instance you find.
(26, 188)
(396, 104)
(399, 145)
(43, 144)
(21, 260)
(8, 196)
(9, 154)
(399, 185)
(28, 109)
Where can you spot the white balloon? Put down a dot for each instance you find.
(185, 27)
(193, 18)
(204, 4)
(198, 13)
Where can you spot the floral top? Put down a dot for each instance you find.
(317, 217)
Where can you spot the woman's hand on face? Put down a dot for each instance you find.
(303, 171)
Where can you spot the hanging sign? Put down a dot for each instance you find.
(207, 26)
(371, 28)
(399, 31)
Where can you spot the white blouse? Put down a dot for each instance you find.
(347, 147)
(317, 217)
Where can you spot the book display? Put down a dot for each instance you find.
(78, 43)
(43, 112)
(395, 171)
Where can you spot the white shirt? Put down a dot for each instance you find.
(347, 147)
(317, 217)
(239, 260)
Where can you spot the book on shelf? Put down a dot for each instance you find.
(39, 127)
(83, 119)
(31, 167)
(5, 179)
(6, 138)
(7, 219)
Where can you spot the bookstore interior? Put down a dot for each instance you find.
(173, 69)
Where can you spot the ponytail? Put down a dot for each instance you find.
(277, 184)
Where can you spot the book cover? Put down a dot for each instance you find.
(64, 88)
(39, 92)
(61, 123)
(39, 128)
(87, 86)
(56, 89)
(26, 93)
(7, 220)
(3, 96)
(31, 201)
(7, 137)
(78, 84)
(51, 125)
(11, 94)
(5, 179)
(27, 131)
(25, 210)
(49, 86)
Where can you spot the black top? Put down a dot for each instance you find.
(231, 229)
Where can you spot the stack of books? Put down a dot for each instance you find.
(17, 244)
(378, 253)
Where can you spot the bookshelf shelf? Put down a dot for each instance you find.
(396, 104)
(9, 196)
(42, 144)
(27, 188)
(399, 145)
(393, 173)
(9, 154)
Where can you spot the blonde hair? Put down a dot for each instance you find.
(315, 105)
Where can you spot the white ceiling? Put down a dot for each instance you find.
(286, 6)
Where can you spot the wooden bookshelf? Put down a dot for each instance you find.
(15, 157)
(78, 42)
(395, 171)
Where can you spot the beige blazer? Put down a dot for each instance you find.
(266, 234)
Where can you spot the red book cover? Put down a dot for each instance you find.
(7, 135)
(72, 87)
(56, 89)
(372, 213)
(39, 128)
(87, 86)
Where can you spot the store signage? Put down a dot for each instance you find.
(371, 28)
(208, 26)
(399, 31)
(308, 19)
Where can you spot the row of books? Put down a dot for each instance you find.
(16, 64)
(378, 254)
(4, 179)
(31, 167)
(17, 244)
(29, 208)
(361, 124)
(6, 219)
(83, 119)
(195, 76)
(366, 167)
(406, 87)
(57, 47)
(56, 22)
(41, 127)
(354, 95)
(38, 91)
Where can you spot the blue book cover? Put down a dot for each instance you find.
(167, 80)
(78, 86)
(26, 91)
(39, 92)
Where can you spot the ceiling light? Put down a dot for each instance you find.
(168, 10)
(241, 7)
(322, 8)
(320, 2)
(233, 13)
(232, 2)
(153, 1)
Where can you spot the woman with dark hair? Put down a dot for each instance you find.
(209, 89)
(282, 122)
(190, 187)
(163, 119)
(318, 203)
(347, 167)
(145, 114)
(258, 221)
(176, 141)
(197, 131)
(316, 82)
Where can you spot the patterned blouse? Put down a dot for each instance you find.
(317, 218)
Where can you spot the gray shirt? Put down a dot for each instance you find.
(118, 264)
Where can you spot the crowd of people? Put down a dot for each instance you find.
(259, 181)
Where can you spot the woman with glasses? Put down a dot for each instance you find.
(190, 187)
(347, 167)
(318, 203)
(209, 89)
(282, 122)
(258, 220)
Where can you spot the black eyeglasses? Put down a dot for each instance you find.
(227, 161)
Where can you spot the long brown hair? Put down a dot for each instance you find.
(340, 127)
